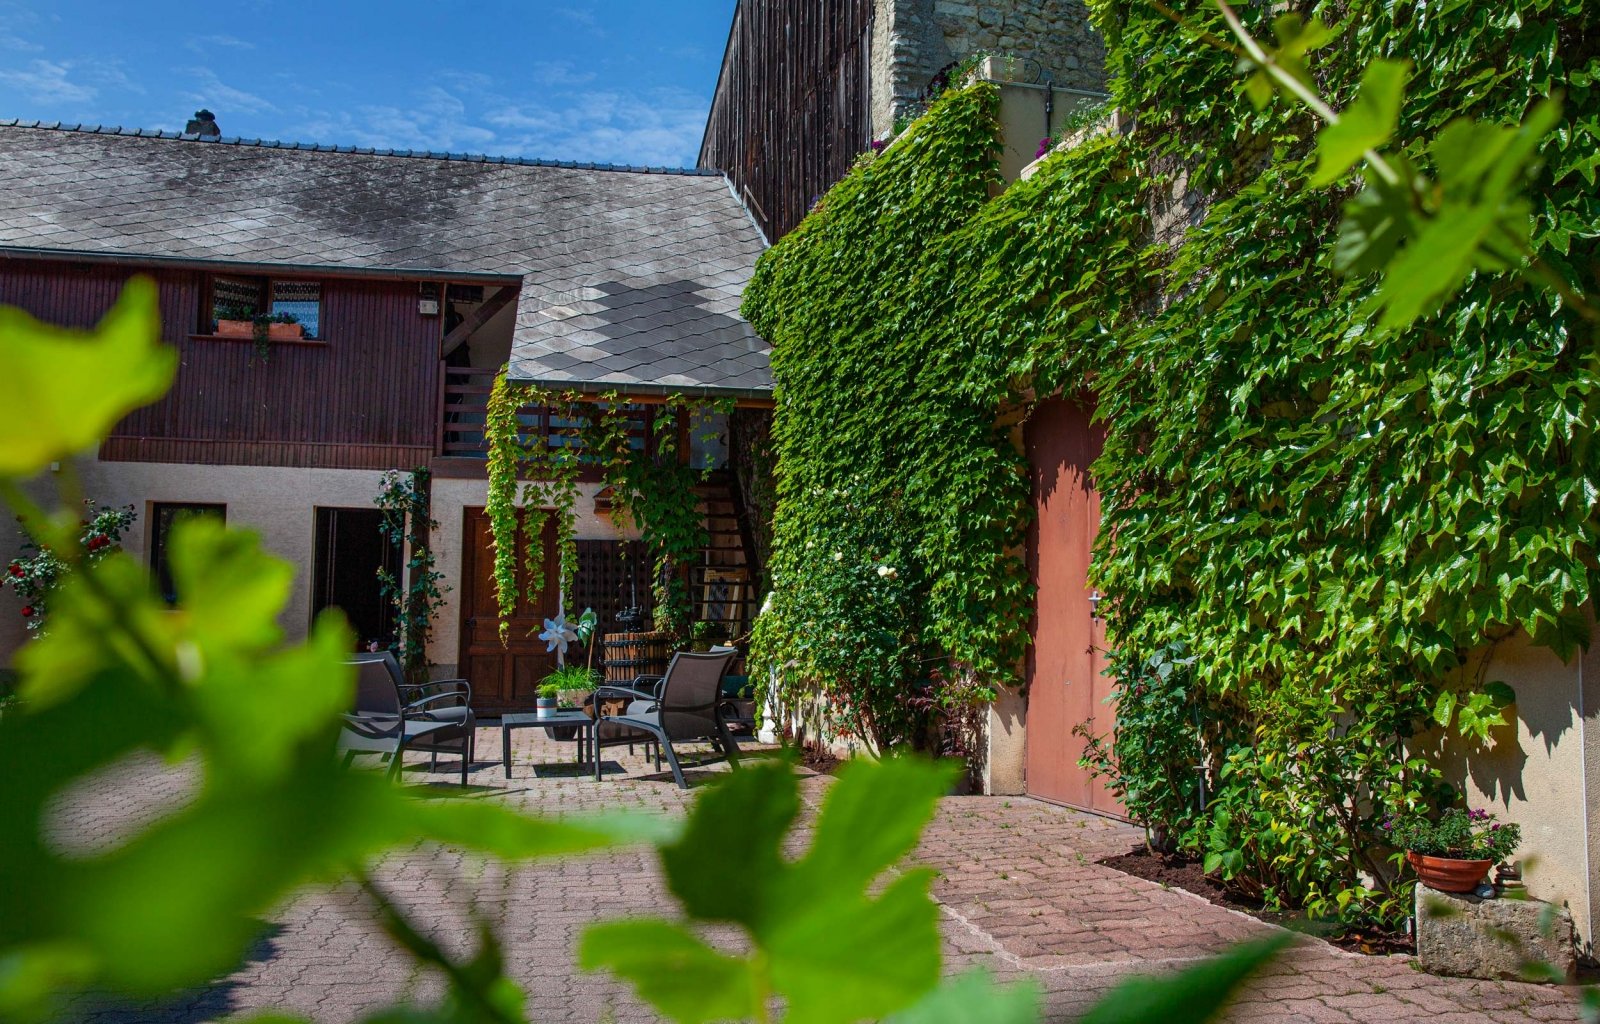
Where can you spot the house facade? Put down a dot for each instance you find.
(412, 280)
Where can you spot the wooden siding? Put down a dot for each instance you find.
(791, 111)
(364, 397)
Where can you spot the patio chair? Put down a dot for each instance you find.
(392, 716)
(682, 708)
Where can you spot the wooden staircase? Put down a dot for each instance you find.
(724, 582)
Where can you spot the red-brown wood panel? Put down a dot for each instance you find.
(1067, 681)
(364, 397)
(505, 677)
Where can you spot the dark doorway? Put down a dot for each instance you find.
(350, 551)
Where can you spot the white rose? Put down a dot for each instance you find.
(838, 556)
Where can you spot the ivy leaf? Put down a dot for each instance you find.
(835, 953)
(1188, 997)
(1368, 123)
(66, 388)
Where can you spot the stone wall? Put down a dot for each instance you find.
(913, 40)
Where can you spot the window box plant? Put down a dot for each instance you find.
(234, 322)
(1454, 853)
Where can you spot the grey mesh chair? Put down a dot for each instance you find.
(392, 716)
(682, 708)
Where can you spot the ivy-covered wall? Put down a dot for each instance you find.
(1327, 514)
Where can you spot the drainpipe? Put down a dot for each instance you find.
(1049, 100)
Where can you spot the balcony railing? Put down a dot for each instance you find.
(464, 409)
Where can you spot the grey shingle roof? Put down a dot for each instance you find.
(631, 277)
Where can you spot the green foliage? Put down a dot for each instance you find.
(916, 478)
(47, 369)
(1349, 430)
(818, 938)
(177, 902)
(406, 501)
(1191, 996)
(34, 573)
(569, 677)
(1166, 728)
(651, 485)
(1458, 833)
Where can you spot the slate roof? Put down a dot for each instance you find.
(631, 277)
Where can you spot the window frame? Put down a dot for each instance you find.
(205, 325)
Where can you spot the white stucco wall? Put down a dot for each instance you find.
(1541, 770)
(279, 503)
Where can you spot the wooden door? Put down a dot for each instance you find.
(1067, 684)
(504, 677)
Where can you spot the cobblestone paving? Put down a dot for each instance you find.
(1019, 890)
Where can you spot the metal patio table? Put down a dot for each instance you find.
(572, 719)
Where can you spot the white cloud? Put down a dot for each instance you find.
(562, 119)
(208, 44)
(46, 81)
(212, 92)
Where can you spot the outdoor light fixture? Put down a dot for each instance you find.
(1094, 604)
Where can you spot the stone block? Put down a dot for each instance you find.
(1498, 939)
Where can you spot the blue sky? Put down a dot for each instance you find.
(622, 81)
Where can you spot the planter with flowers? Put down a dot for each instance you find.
(262, 328)
(1454, 853)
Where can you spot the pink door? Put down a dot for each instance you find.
(1067, 684)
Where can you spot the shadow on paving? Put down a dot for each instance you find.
(194, 1006)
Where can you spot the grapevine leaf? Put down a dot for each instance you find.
(67, 388)
(835, 953)
(974, 996)
(1368, 123)
(673, 970)
(1188, 997)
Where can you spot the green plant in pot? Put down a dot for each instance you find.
(1454, 853)
(548, 694)
(569, 684)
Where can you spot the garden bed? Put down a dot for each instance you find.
(1179, 872)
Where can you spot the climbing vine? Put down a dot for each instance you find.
(406, 503)
(652, 484)
(1331, 486)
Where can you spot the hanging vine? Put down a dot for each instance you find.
(654, 488)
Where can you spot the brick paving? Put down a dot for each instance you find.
(1019, 889)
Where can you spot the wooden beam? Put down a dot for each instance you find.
(480, 316)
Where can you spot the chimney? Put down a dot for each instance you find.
(203, 124)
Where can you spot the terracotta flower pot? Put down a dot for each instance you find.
(235, 328)
(1448, 874)
(286, 332)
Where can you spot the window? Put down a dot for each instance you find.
(245, 298)
(163, 516)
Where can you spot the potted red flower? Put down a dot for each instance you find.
(1454, 853)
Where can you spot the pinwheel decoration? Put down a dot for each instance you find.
(557, 635)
